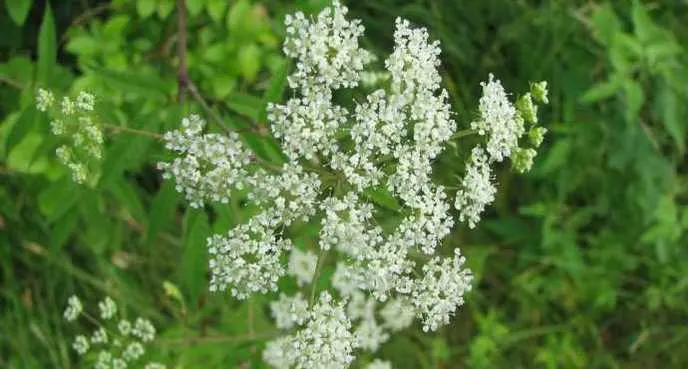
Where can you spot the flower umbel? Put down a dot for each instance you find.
(347, 168)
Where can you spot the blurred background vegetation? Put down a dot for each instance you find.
(580, 264)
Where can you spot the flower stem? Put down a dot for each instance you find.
(121, 129)
(463, 133)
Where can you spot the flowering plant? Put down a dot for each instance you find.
(345, 165)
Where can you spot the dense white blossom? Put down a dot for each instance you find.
(326, 49)
(74, 308)
(107, 308)
(289, 311)
(439, 292)
(81, 344)
(364, 176)
(210, 165)
(81, 136)
(476, 190)
(44, 100)
(246, 260)
(397, 314)
(280, 353)
(499, 120)
(370, 336)
(307, 126)
(143, 329)
(302, 265)
(326, 340)
(118, 343)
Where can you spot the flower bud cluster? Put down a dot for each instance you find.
(504, 123)
(75, 122)
(115, 343)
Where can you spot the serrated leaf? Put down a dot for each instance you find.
(18, 9)
(47, 47)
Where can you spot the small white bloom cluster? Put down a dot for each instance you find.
(75, 122)
(211, 164)
(346, 169)
(504, 124)
(324, 340)
(118, 345)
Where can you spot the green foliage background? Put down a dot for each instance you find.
(580, 264)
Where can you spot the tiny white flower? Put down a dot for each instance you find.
(81, 345)
(108, 308)
(44, 100)
(302, 265)
(74, 308)
(144, 330)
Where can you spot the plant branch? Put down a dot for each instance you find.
(183, 74)
(245, 338)
(463, 133)
(120, 129)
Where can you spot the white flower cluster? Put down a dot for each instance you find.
(75, 122)
(324, 340)
(211, 164)
(117, 345)
(504, 124)
(346, 170)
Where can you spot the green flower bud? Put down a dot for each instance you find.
(539, 91)
(536, 135)
(522, 159)
(527, 109)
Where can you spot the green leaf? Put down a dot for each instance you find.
(238, 16)
(643, 25)
(672, 112)
(216, 9)
(601, 91)
(247, 105)
(606, 24)
(165, 7)
(162, 210)
(382, 197)
(145, 84)
(59, 198)
(47, 47)
(195, 7)
(145, 8)
(635, 97)
(194, 259)
(249, 61)
(24, 124)
(278, 83)
(18, 9)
